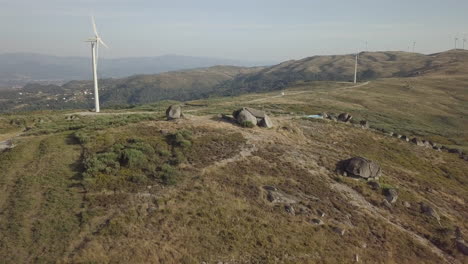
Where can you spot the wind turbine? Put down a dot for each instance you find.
(456, 41)
(95, 41)
(464, 41)
(414, 45)
(355, 68)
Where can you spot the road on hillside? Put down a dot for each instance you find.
(301, 92)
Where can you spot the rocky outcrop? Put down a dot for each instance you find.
(243, 116)
(361, 167)
(174, 112)
(254, 116)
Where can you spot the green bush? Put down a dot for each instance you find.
(133, 158)
(247, 124)
(169, 175)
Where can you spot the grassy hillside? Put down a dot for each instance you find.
(372, 65)
(127, 186)
(229, 80)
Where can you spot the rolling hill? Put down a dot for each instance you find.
(18, 69)
(372, 65)
(228, 80)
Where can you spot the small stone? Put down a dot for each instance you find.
(374, 185)
(387, 204)
(289, 209)
(391, 195)
(320, 213)
(462, 246)
(339, 230)
(364, 124)
(270, 188)
(428, 210)
(316, 221)
(406, 204)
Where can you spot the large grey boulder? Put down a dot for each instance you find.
(361, 167)
(255, 112)
(345, 117)
(242, 116)
(266, 122)
(174, 112)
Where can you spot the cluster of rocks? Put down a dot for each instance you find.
(343, 117)
(429, 144)
(247, 116)
(346, 117)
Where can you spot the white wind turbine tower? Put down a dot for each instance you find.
(95, 50)
(464, 41)
(355, 68)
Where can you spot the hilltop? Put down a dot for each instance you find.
(228, 80)
(372, 65)
(127, 186)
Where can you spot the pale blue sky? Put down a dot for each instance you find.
(243, 29)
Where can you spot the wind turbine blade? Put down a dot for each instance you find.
(94, 26)
(102, 42)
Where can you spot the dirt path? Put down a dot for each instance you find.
(302, 92)
(109, 114)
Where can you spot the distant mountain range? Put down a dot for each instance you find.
(232, 80)
(17, 69)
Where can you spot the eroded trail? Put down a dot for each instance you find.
(38, 201)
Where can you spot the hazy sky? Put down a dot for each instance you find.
(241, 29)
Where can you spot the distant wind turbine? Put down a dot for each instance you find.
(456, 41)
(95, 41)
(414, 46)
(355, 68)
(464, 41)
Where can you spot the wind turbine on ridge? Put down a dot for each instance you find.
(464, 41)
(355, 67)
(95, 41)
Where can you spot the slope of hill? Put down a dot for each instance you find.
(124, 187)
(372, 65)
(17, 69)
(227, 80)
(179, 85)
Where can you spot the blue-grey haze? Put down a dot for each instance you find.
(271, 30)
